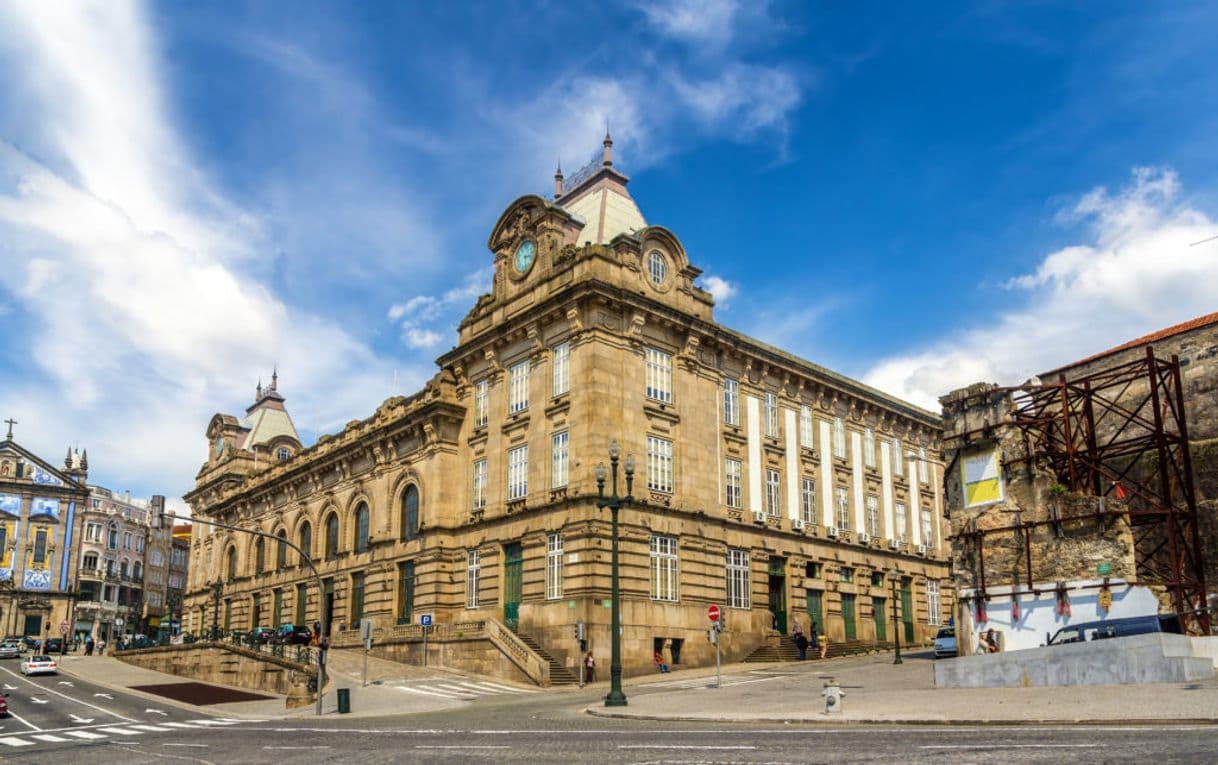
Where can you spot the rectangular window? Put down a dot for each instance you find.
(807, 500)
(772, 504)
(898, 458)
(518, 472)
(771, 415)
(139, 544)
(923, 466)
(558, 460)
(843, 508)
(518, 387)
(933, 605)
(482, 390)
(981, 474)
(659, 464)
(126, 540)
(839, 438)
(93, 532)
(732, 475)
(478, 490)
(731, 401)
(873, 515)
(277, 608)
(405, 592)
(902, 530)
(877, 579)
(805, 426)
(473, 574)
(562, 368)
(357, 598)
(664, 568)
(302, 602)
(869, 448)
(845, 574)
(659, 375)
(738, 595)
(40, 548)
(554, 566)
(928, 534)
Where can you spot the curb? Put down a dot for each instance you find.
(1175, 722)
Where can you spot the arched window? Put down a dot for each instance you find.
(138, 571)
(282, 453)
(123, 569)
(259, 556)
(281, 549)
(306, 540)
(112, 537)
(232, 563)
(410, 513)
(361, 528)
(331, 536)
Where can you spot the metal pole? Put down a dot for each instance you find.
(718, 676)
(366, 642)
(426, 629)
(896, 626)
(616, 697)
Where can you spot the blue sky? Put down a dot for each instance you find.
(921, 197)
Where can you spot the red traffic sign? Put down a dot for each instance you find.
(712, 611)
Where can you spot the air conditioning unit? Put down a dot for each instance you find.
(831, 531)
(893, 544)
(921, 549)
(864, 538)
(798, 524)
(758, 516)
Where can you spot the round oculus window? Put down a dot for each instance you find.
(657, 267)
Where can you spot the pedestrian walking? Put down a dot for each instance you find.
(89, 647)
(659, 662)
(801, 643)
(815, 643)
(589, 668)
(101, 648)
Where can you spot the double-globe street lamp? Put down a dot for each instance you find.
(615, 698)
(895, 575)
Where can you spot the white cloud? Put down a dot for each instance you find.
(1134, 274)
(743, 98)
(424, 309)
(720, 289)
(701, 22)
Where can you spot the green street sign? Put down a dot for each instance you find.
(1104, 569)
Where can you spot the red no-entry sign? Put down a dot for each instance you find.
(712, 612)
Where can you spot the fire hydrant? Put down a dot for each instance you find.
(833, 694)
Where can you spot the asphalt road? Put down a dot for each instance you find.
(79, 719)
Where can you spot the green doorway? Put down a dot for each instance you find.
(815, 609)
(907, 612)
(848, 617)
(513, 569)
(881, 624)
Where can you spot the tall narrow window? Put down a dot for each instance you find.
(934, 607)
(732, 481)
(277, 607)
(558, 460)
(518, 387)
(410, 512)
(302, 604)
(659, 375)
(923, 466)
(807, 500)
(473, 576)
(232, 564)
(306, 540)
(554, 566)
(361, 528)
(771, 415)
(805, 426)
(873, 515)
(928, 533)
(902, 531)
(478, 490)
(663, 568)
(481, 402)
(357, 597)
(773, 505)
(659, 464)
(731, 401)
(405, 592)
(40, 549)
(281, 549)
(843, 508)
(518, 473)
(259, 556)
(332, 536)
(112, 538)
(869, 448)
(738, 595)
(562, 368)
(898, 458)
(839, 438)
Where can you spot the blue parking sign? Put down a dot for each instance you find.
(425, 620)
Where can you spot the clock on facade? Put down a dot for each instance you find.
(524, 255)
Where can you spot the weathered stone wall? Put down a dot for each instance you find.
(229, 665)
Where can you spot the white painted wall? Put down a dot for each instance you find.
(752, 409)
(856, 480)
(826, 474)
(886, 488)
(791, 433)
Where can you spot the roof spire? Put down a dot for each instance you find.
(258, 390)
(275, 378)
(607, 157)
(558, 180)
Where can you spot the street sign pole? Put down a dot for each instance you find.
(712, 612)
(425, 620)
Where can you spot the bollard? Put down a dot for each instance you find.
(833, 694)
(344, 700)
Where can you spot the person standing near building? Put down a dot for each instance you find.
(589, 668)
(801, 642)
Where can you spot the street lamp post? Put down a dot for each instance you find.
(895, 575)
(615, 698)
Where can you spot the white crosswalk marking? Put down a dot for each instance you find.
(153, 728)
(181, 725)
(49, 738)
(99, 735)
(214, 722)
(463, 690)
(15, 742)
(87, 735)
(120, 731)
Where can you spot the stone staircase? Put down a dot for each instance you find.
(782, 648)
(559, 674)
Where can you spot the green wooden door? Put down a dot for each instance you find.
(907, 612)
(848, 617)
(778, 593)
(815, 609)
(513, 568)
(881, 623)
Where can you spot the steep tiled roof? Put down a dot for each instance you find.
(1153, 337)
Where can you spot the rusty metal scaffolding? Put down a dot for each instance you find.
(1121, 433)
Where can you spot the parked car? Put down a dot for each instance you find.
(260, 635)
(39, 664)
(10, 649)
(945, 642)
(53, 645)
(1112, 628)
(294, 634)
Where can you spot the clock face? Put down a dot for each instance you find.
(219, 445)
(524, 255)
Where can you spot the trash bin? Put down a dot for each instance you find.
(344, 700)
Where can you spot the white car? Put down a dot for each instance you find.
(39, 665)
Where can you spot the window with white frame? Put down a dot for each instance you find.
(732, 481)
(139, 544)
(558, 460)
(731, 401)
(869, 448)
(773, 505)
(873, 515)
(554, 566)
(902, 529)
(518, 472)
(482, 390)
(898, 458)
(738, 595)
(659, 375)
(478, 489)
(807, 500)
(771, 414)
(664, 568)
(657, 267)
(518, 387)
(923, 466)
(928, 534)
(659, 464)
(562, 368)
(842, 497)
(93, 532)
(934, 606)
(805, 426)
(473, 577)
(126, 540)
(839, 438)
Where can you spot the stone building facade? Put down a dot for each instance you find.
(40, 508)
(766, 484)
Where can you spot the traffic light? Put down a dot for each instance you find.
(581, 632)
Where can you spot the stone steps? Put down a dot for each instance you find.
(559, 675)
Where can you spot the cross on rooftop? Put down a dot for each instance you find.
(11, 422)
